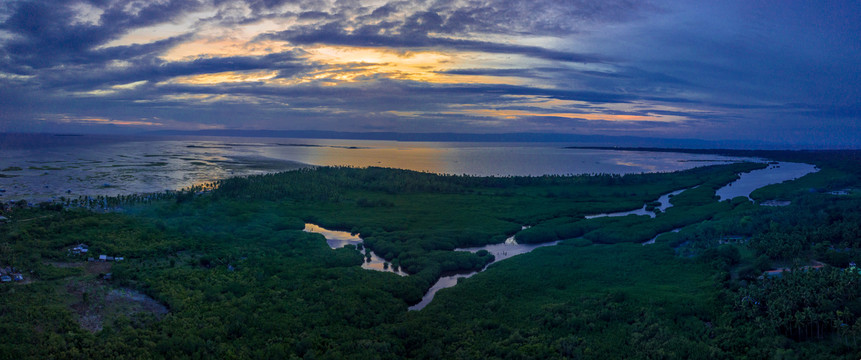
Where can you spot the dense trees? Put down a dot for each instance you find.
(241, 280)
(804, 304)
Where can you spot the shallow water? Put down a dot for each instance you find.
(91, 166)
(652, 240)
(500, 251)
(338, 239)
(773, 174)
(746, 184)
(663, 199)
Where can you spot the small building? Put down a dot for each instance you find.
(3, 219)
(80, 249)
(91, 259)
(18, 277)
(119, 258)
(5, 278)
(109, 258)
(103, 257)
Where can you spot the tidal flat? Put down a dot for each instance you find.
(45, 169)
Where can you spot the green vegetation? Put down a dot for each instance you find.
(228, 273)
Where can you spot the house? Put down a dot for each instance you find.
(80, 249)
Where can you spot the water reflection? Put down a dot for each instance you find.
(417, 156)
(652, 240)
(338, 239)
(775, 173)
(40, 174)
(41, 171)
(664, 201)
(500, 252)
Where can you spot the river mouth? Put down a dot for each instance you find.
(775, 173)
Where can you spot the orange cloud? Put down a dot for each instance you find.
(97, 120)
(514, 114)
(223, 47)
(423, 66)
(225, 77)
(118, 122)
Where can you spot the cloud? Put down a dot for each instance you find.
(722, 70)
(416, 37)
(47, 34)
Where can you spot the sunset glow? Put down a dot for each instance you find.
(661, 68)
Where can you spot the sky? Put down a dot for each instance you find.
(787, 72)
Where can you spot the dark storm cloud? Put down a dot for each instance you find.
(46, 34)
(538, 16)
(491, 72)
(415, 30)
(332, 34)
(154, 69)
(384, 88)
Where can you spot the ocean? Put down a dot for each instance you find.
(45, 167)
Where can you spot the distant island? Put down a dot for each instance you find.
(477, 137)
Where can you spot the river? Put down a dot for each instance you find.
(91, 166)
(747, 183)
(775, 173)
(338, 239)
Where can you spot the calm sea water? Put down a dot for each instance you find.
(40, 168)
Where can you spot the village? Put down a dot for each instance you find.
(10, 274)
(83, 249)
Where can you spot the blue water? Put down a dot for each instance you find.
(54, 166)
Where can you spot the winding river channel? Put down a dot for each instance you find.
(748, 182)
(338, 239)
